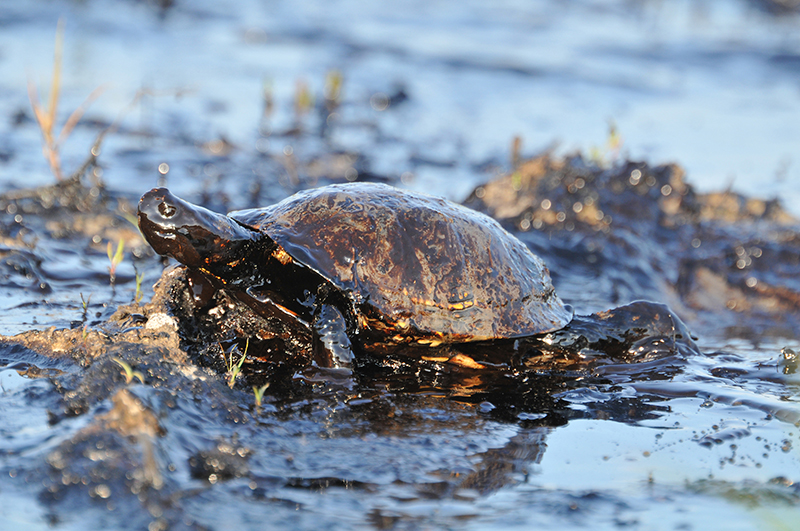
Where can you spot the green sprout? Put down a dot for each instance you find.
(235, 369)
(85, 305)
(516, 181)
(139, 293)
(130, 218)
(129, 373)
(333, 89)
(259, 393)
(114, 258)
(303, 99)
(610, 153)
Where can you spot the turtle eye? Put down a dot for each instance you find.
(166, 210)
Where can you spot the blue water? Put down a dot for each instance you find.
(712, 85)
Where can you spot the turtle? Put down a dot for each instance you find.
(364, 265)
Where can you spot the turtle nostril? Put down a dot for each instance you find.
(166, 210)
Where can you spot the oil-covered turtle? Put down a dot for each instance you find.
(364, 262)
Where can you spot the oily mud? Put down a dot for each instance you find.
(720, 259)
(154, 413)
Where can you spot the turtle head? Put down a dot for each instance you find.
(192, 235)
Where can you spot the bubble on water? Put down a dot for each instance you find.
(262, 145)
(379, 101)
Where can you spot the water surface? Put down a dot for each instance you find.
(694, 442)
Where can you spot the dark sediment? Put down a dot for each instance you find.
(726, 263)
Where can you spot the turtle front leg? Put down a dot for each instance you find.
(330, 330)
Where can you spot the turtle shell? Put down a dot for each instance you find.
(421, 263)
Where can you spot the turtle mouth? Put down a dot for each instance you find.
(170, 226)
(165, 235)
(170, 242)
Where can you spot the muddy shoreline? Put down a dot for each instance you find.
(131, 375)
